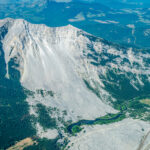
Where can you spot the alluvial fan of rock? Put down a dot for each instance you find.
(69, 75)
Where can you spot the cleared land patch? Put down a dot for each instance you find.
(145, 101)
(23, 144)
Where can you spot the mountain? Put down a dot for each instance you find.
(54, 59)
(66, 82)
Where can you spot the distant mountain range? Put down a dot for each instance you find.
(131, 2)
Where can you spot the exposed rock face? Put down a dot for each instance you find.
(54, 59)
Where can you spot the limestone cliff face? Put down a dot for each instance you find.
(55, 59)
